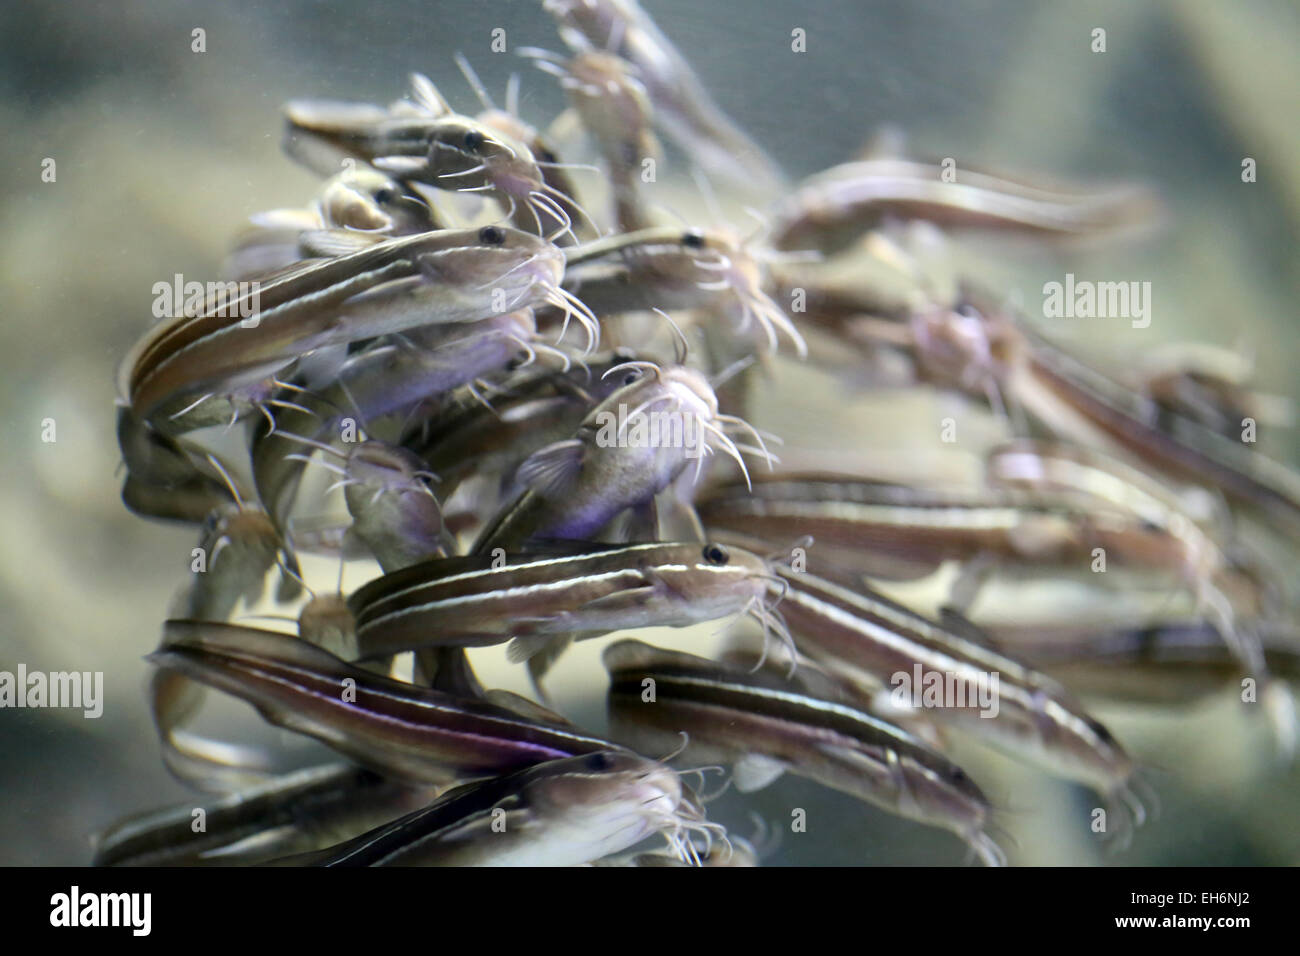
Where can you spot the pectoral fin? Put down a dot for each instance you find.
(552, 470)
(755, 771)
(521, 649)
(639, 523)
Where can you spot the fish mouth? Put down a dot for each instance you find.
(543, 273)
(520, 324)
(636, 805)
(693, 390)
(679, 815)
(652, 801)
(536, 265)
(661, 791)
(375, 464)
(547, 266)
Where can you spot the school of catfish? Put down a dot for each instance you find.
(522, 387)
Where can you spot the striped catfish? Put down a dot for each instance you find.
(670, 267)
(878, 643)
(683, 108)
(903, 532)
(989, 345)
(422, 141)
(1175, 663)
(538, 599)
(240, 341)
(560, 813)
(765, 725)
(614, 109)
(627, 450)
(295, 813)
(416, 734)
(358, 198)
(832, 209)
(1081, 402)
(1198, 557)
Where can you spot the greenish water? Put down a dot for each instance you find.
(162, 153)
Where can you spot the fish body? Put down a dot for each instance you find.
(415, 734)
(296, 813)
(389, 286)
(873, 641)
(682, 106)
(765, 725)
(628, 449)
(1166, 663)
(828, 212)
(905, 531)
(561, 813)
(487, 600)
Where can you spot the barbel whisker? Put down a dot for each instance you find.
(729, 447)
(193, 405)
(513, 269)
(215, 462)
(318, 445)
(560, 196)
(475, 83)
(464, 172)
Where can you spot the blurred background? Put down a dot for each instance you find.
(162, 153)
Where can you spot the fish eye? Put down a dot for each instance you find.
(517, 362)
(716, 554)
(384, 195)
(598, 762)
(693, 240)
(491, 236)
(473, 140)
(1100, 730)
(633, 375)
(547, 156)
(958, 775)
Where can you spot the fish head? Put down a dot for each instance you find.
(365, 199)
(327, 622)
(501, 262)
(588, 23)
(683, 257)
(648, 386)
(612, 785)
(612, 101)
(466, 153)
(598, 378)
(963, 345)
(1102, 758)
(945, 794)
(602, 71)
(712, 580)
(692, 390)
(379, 464)
(241, 526)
